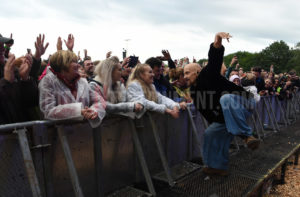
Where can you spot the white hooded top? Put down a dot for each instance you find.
(135, 93)
(253, 90)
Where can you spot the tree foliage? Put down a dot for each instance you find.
(278, 54)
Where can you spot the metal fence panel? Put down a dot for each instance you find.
(13, 177)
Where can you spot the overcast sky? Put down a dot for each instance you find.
(185, 28)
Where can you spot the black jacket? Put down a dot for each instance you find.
(260, 84)
(211, 85)
(163, 85)
(17, 100)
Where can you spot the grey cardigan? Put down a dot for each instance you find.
(123, 106)
(135, 93)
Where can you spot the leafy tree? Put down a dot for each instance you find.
(294, 62)
(201, 61)
(278, 54)
(246, 59)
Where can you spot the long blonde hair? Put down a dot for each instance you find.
(111, 92)
(135, 76)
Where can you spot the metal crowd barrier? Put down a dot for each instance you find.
(69, 158)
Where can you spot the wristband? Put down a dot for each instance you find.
(6, 47)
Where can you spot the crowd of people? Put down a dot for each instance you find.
(66, 86)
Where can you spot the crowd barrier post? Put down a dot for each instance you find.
(161, 152)
(272, 112)
(285, 109)
(29, 166)
(141, 157)
(194, 129)
(290, 111)
(98, 160)
(268, 112)
(293, 107)
(68, 156)
(204, 121)
(259, 122)
(40, 149)
(295, 102)
(294, 112)
(282, 114)
(298, 97)
(255, 126)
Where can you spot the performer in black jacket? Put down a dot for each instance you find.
(225, 106)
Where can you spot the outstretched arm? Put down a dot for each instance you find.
(216, 53)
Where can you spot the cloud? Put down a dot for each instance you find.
(186, 28)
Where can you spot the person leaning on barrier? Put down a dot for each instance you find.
(107, 84)
(64, 95)
(140, 88)
(269, 88)
(260, 83)
(223, 104)
(179, 84)
(248, 83)
(161, 82)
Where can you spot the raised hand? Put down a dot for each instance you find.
(218, 38)
(224, 35)
(108, 54)
(59, 44)
(78, 56)
(272, 68)
(125, 62)
(11, 37)
(40, 49)
(9, 69)
(85, 53)
(233, 60)
(25, 67)
(70, 42)
(29, 58)
(166, 55)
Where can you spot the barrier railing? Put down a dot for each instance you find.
(94, 162)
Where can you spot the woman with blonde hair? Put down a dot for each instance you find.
(107, 84)
(64, 95)
(140, 88)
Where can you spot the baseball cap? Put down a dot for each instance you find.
(6, 40)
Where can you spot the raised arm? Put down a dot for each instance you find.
(216, 53)
(219, 37)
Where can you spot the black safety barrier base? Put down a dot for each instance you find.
(249, 171)
(129, 192)
(178, 171)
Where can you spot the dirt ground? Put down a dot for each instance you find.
(291, 188)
